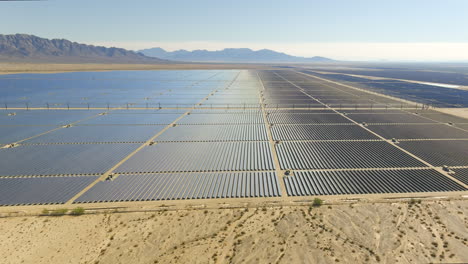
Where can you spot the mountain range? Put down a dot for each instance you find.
(230, 55)
(30, 48)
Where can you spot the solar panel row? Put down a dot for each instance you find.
(99, 134)
(12, 134)
(444, 118)
(419, 131)
(200, 156)
(41, 190)
(344, 154)
(162, 186)
(314, 132)
(132, 119)
(239, 132)
(68, 159)
(388, 118)
(44, 117)
(461, 174)
(208, 119)
(368, 181)
(305, 118)
(439, 152)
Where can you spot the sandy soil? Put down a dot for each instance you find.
(10, 68)
(430, 231)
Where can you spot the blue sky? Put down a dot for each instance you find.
(300, 27)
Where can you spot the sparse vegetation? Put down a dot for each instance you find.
(414, 201)
(317, 202)
(77, 211)
(58, 212)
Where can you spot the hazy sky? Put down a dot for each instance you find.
(341, 29)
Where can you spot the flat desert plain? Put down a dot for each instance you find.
(13, 68)
(427, 231)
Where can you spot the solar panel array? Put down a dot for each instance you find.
(347, 148)
(162, 135)
(416, 92)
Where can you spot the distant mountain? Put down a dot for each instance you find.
(29, 48)
(229, 55)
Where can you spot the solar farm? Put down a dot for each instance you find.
(93, 137)
(417, 92)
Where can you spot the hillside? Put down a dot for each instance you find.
(230, 55)
(29, 48)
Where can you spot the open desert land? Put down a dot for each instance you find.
(412, 231)
(13, 68)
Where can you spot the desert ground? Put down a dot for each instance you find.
(12, 68)
(414, 231)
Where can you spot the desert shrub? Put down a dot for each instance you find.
(59, 212)
(317, 202)
(78, 211)
(414, 201)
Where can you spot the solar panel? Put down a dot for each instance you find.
(419, 131)
(306, 183)
(46, 117)
(200, 156)
(215, 133)
(316, 132)
(444, 118)
(439, 152)
(132, 119)
(306, 118)
(343, 154)
(41, 190)
(12, 134)
(389, 118)
(94, 134)
(228, 118)
(63, 159)
(461, 174)
(175, 186)
(221, 149)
